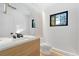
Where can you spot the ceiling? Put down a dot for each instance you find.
(28, 8)
(39, 7)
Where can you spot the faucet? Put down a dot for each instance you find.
(14, 36)
(19, 35)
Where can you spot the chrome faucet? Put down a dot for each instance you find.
(16, 35)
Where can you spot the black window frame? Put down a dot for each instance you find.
(54, 15)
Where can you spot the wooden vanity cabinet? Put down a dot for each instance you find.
(31, 48)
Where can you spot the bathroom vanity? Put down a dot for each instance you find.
(26, 47)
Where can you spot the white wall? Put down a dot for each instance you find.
(38, 22)
(9, 21)
(78, 29)
(62, 37)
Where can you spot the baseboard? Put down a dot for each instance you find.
(65, 52)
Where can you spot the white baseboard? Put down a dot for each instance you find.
(65, 52)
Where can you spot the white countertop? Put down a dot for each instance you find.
(6, 42)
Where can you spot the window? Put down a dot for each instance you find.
(33, 23)
(59, 19)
